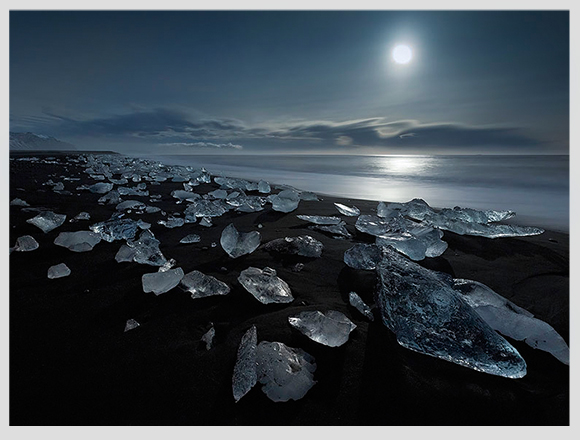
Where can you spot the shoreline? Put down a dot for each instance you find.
(72, 363)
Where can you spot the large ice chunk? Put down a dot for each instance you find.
(303, 245)
(357, 302)
(47, 221)
(161, 282)
(264, 187)
(350, 211)
(245, 370)
(201, 285)
(79, 241)
(510, 320)
(286, 373)
(416, 209)
(58, 271)
(285, 201)
(265, 285)
(489, 230)
(429, 317)
(147, 249)
(237, 243)
(25, 243)
(330, 328)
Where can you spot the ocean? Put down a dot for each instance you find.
(537, 188)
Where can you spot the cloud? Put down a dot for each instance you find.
(229, 145)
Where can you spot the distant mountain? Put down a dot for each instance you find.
(31, 141)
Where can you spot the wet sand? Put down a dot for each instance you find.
(71, 363)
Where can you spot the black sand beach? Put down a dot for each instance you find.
(71, 363)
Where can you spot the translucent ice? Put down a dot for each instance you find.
(237, 243)
(320, 219)
(429, 316)
(25, 243)
(117, 229)
(80, 241)
(265, 285)
(130, 204)
(47, 221)
(205, 208)
(201, 285)
(284, 201)
(80, 216)
(363, 256)
(100, 188)
(416, 209)
(351, 211)
(374, 225)
(172, 222)
(125, 254)
(357, 302)
(161, 282)
(405, 243)
(131, 324)
(58, 271)
(330, 328)
(474, 216)
(489, 230)
(111, 198)
(18, 202)
(336, 230)
(218, 194)
(264, 187)
(286, 373)
(191, 238)
(510, 320)
(206, 222)
(184, 195)
(303, 245)
(208, 338)
(245, 370)
(147, 250)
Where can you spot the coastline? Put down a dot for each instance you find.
(71, 362)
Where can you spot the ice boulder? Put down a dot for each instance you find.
(363, 256)
(285, 201)
(147, 250)
(302, 245)
(237, 243)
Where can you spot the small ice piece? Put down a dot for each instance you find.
(80, 241)
(512, 321)
(18, 202)
(125, 254)
(208, 337)
(131, 324)
(363, 256)
(161, 282)
(205, 208)
(147, 249)
(58, 271)
(350, 211)
(116, 229)
(25, 243)
(137, 191)
(191, 238)
(265, 285)
(172, 222)
(320, 219)
(80, 216)
(218, 194)
(264, 187)
(303, 245)
(428, 316)
(237, 243)
(337, 230)
(184, 195)
(152, 209)
(47, 221)
(111, 198)
(59, 186)
(206, 222)
(100, 188)
(330, 328)
(245, 370)
(360, 305)
(286, 373)
(201, 285)
(130, 204)
(308, 196)
(285, 201)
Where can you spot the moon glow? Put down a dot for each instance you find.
(402, 54)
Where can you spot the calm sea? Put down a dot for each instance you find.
(535, 187)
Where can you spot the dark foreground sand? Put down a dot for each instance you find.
(71, 363)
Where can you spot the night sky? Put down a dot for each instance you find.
(293, 81)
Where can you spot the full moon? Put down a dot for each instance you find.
(402, 54)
